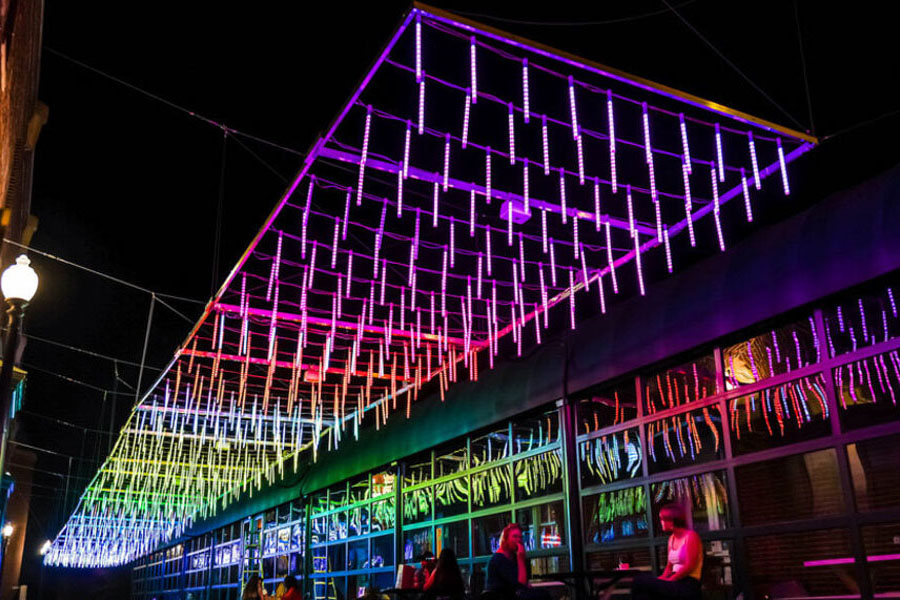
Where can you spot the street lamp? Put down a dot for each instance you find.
(45, 548)
(7, 531)
(19, 283)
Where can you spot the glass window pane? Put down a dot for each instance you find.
(319, 502)
(357, 555)
(382, 514)
(486, 533)
(491, 487)
(706, 495)
(774, 352)
(539, 475)
(490, 447)
(801, 486)
(862, 319)
(541, 565)
(609, 458)
(417, 505)
(337, 496)
(535, 431)
(868, 390)
(454, 536)
(418, 469)
(319, 529)
(873, 466)
(605, 406)
(814, 563)
(679, 385)
(451, 498)
(451, 459)
(415, 543)
(881, 543)
(685, 439)
(543, 526)
(359, 489)
(792, 412)
(382, 483)
(358, 521)
(382, 551)
(615, 515)
(337, 526)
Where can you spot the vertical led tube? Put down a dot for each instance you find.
(783, 167)
(509, 223)
(466, 110)
(544, 229)
(579, 148)
(584, 271)
(612, 141)
(472, 212)
(400, 193)
(512, 134)
(609, 258)
(421, 125)
(659, 224)
(452, 241)
(416, 234)
(472, 70)
(406, 143)
(571, 299)
(305, 222)
(575, 240)
(753, 160)
(346, 213)
(418, 48)
(637, 263)
(630, 205)
(545, 144)
(543, 291)
(552, 264)
(746, 192)
(434, 201)
(685, 146)
(522, 257)
(688, 203)
(334, 242)
(720, 162)
(668, 248)
(487, 248)
(576, 132)
(596, 204)
(715, 193)
(564, 212)
(602, 293)
(446, 181)
(487, 175)
(444, 284)
(478, 279)
(526, 97)
(525, 190)
(363, 156)
(276, 264)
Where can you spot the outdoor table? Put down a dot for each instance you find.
(572, 578)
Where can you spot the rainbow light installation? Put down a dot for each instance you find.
(291, 357)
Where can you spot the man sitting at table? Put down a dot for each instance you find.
(507, 573)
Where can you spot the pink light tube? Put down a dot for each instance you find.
(422, 106)
(472, 212)
(715, 193)
(400, 193)
(612, 141)
(487, 249)
(334, 242)
(487, 175)
(363, 156)
(545, 143)
(571, 300)
(783, 167)
(418, 47)
(521, 257)
(512, 134)
(346, 213)
(416, 234)
(526, 97)
(596, 204)
(446, 180)
(452, 241)
(659, 224)
(609, 259)
(746, 192)
(526, 203)
(543, 289)
(576, 133)
(552, 264)
(719, 160)
(637, 262)
(564, 212)
(537, 325)
(584, 271)
(434, 201)
(685, 146)
(753, 160)
(579, 148)
(444, 285)
(406, 143)
(478, 280)
(575, 241)
(509, 225)
(631, 229)
(305, 222)
(544, 230)
(668, 249)
(472, 70)
(276, 264)
(602, 293)
(466, 110)
(688, 204)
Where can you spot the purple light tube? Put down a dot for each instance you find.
(346, 213)
(509, 226)
(753, 160)
(276, 263)
(668, 250)
(466, 111)
(444, 285)
(416, 234)
(552, 264)
(434, 200)
(612, 142)
(571, 300)
(597, 204)
(478, 280)
(537, 326)
(363, 156)
(746, 193)
(487, 248)
(545, 143)
(544, 230)
(512, 134)
(526, 96)
(487, 175)
(659, 224)
(406, 143)
(576, 132)
(685, 146)
(446, 180)
(334, 242)
(584, 271)
(400, 193)
(521, 257)
(602, 294)
(575, 240)
(579, 153)
(418, 47)
(472, 212)
(630, 204)
(452, 235)
(719, 160)
(525, 190)
(564, 212)
(783, 165)
(472, 70)
(637, 263)
(611, 264)
(716, 210)
(422, 106)
(688, 204)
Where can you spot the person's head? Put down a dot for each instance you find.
(510, 538)
(253, 589)
(447, 560)
(290, 582)
(672, 517)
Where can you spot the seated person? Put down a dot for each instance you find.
(424, 570)
(507, 573)
(446, 581)
(681, 577)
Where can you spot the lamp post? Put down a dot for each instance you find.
(19, 283)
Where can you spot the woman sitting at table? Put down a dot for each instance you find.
(507, 573)
(446, 581)
(681, 577)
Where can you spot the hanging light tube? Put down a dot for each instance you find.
(783, 166)
(421, 124)
(720, 162)
(406, 142)
(346, 213)
(418, 48)
(446, 180)
(668, 249)
(584, 271)
(334, 242)
(579, 148)
(544, 230)
(564, 212)
(685, 146)
(545, 144)
(526, 97)
(487, 248)
(637, 263)
(746, 192)
(552, 264)
(715, 193)
(452, 235)
(434, 201)
(612, 141)
(575, 240)
(609, 258)
(363, 156)
(571, 300)
(525, 186)
(512, 134)
(688, 204)
(753, 160)
(630, 205)
(466, 110)
(400, 193)
(472, 212)
(596, 204)
(487, 175)
(472, 70)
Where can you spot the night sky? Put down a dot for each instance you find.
(130, 185)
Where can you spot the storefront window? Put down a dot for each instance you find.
(610, 458)
(685, 439)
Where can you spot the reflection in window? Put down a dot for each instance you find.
(358, 521)
(607, 406)
(454, 536)
(538, 475)
(359, 489)
(873, 465)
(775, 352)
(491, 487)
(814, 490)
(533, 432)
(792, 412)
(808, 564)
(415, 543)
(451, 497)
(382, 551)
(337, 526)
(868, 390)
(382, 515)
(357, 555)
(706, 496)
(684, 439)
(382, 483)
(490, 447)
(418, 469)
(417, 505)
(486, 533)
(610, 458)
(543, 526)
(880, 543)
(337, 497)
(680, 385)
(449, 461)
(862, 320)
(615, 515)
(319, 502)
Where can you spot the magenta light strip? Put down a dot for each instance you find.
(828, 562)
(753, 161)
(612, 142)
(512, 134)
(719, 160)
(418, 47)
(546, 144)
(746, 193)
(685, 146)
(526, 96)
(466, 110)
(573, 112)
(422, 106)
(472, 70)
(688, 205)
(783, 165)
